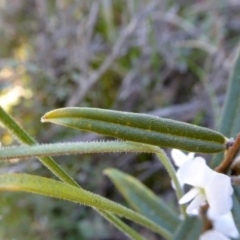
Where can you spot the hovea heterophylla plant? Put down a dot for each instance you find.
(141, 133)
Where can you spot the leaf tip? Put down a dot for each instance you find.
(43, 118)
(108, 171)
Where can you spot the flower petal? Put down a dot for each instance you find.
(195, 172)
(189, 196)
(213, 235)
(196, 204)
(180, 158)
(224, 224)
(190, 156)
(218, 193)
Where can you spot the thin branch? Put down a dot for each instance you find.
(84, 55)
(231, 153)
(83, 89)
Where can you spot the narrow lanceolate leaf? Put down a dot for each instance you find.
(236, 207)
(230, 122)
(53, 188)
(139, 128)
(189, 229)
(144, 200)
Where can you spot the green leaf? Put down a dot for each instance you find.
(230, 122)
(139, 128)
(53, 188)
(236, 207)
(144, 200)
(189, 229)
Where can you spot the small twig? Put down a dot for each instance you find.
(235, 180)
(231, 153)
(85, 53)
(206, 221)
(199, 44)
(82, 89)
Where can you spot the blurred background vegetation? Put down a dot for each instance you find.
(163, 57)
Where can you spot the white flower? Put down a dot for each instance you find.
(179, 159)
(210, 186)
(213, 235)
(224, 224)
(223, 227)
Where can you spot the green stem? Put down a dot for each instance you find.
(132, 234)
(179, 192)
(58, 149)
